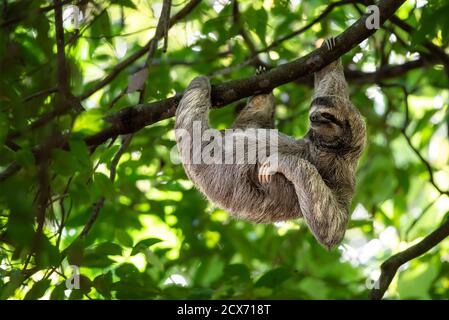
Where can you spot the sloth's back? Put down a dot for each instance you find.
(236, 187)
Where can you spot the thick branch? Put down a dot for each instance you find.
(113, 73)
(132, 119)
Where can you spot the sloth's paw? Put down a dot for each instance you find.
(266, 171)
(330, 43)
(261, 69)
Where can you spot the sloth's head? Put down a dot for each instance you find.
(336, 125)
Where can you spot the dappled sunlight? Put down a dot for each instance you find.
(91, 175)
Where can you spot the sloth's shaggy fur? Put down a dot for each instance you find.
(315, 175)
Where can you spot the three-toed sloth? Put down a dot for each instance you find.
(311, 178)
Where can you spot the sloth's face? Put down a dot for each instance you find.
(326, 125)
(336, 126)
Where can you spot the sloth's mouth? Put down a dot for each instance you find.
(316, 124)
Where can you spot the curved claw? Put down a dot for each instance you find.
(265, 173)
(330, 43)
(261, 69)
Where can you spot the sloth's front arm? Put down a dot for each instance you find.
(326, 217)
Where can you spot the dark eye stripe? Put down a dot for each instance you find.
(332, 119)
(324, 101)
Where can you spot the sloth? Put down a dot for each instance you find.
(311, 178)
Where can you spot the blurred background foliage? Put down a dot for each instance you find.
(150, 234)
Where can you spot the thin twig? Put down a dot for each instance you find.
(112, 74)
(408, 139)
(418, 218)
(392, 264)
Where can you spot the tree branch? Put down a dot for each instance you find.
(388, 71)
(408, 139)
(132, 119)
(113, 73)
(392, 264)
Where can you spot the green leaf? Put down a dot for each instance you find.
(143, 245)
(38, 290)
(257, 20)
(154, 260)
(49, 254)
(25, 157)
(415, 282)
(108, 248)
(88, 122)
(315, 288)
(103, 284)
(3, 127)
(97, 256)
(125, 3)
(109, 153)
(124, 238)
(273, 278)
(58, 292)
(237, 272)
(79, 149)
(75, 253)
(104, 185)
(102, 27)
(130, 290)
(15, 281)
(64, 163)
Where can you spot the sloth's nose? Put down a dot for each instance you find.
(321, 117)
(316, 117)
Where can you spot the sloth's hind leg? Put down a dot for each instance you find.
(259, 111)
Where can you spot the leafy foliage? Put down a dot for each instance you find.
(145, 232)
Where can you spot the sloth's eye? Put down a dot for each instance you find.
(328, 116)
(331, 118)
